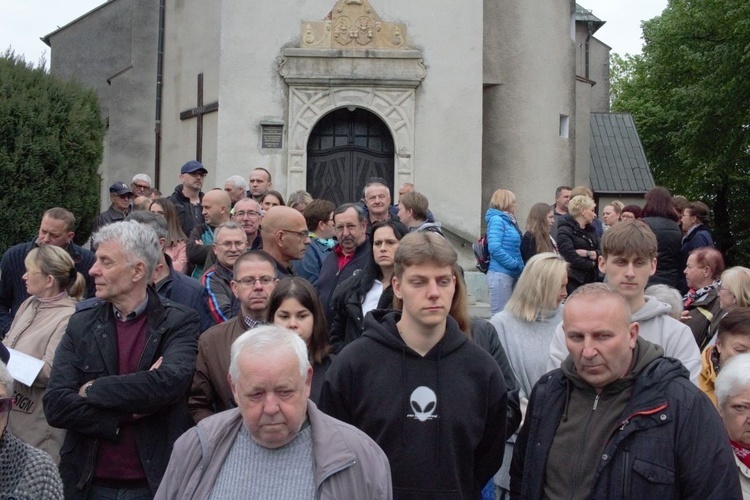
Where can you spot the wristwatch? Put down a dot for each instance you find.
(87, 388)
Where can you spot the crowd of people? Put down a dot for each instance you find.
(233, 344)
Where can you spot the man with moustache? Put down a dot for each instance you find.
(229, 243)
(254, 280)
(348, 256)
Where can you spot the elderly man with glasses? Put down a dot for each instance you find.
(254, 280)
(248, 214)
(229, 243)
(121, 197)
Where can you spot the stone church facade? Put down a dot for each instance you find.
(460, 98)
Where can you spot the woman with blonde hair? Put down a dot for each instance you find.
(526, 327)
(504, 245)
(733, 291)
(54, 286)
(538, 237)
(578, 242)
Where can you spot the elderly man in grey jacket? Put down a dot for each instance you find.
(263, 448)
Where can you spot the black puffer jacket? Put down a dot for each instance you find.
(669, 242)
(570, 237)
(667, 426)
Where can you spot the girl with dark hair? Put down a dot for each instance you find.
(272, 199)
(660, 215)
(294, 304)
(695, 219)
(367, 290)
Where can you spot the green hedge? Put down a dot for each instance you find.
(51, 142)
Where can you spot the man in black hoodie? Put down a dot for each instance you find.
(432, 399)
(618, 419)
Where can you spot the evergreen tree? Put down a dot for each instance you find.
(51, 141)
(689, 93)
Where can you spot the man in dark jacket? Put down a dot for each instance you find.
(187, 196)
(432, 399)
(56, 228)
(637, 425)
(349, 256)
(121, 373)
(121, 197)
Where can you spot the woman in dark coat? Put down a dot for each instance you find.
(578, 242)
(695, 219)
(368, 289)
(660, 215)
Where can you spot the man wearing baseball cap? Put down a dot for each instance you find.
(187, 196)
(121, 196)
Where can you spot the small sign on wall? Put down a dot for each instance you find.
(272, 135)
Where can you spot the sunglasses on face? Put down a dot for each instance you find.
(6, 404)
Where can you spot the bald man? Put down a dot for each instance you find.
(285, 238)
(216, 211)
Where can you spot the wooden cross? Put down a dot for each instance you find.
(198, 112)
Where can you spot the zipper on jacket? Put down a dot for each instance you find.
(596, 403)
(330, 473)
(644, 413)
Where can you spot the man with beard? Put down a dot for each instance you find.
(254, 280)
(187, 196)
(350, 255)
(229, 243)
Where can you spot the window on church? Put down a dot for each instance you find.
(564, 126)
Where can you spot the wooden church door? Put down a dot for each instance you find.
(345, 149)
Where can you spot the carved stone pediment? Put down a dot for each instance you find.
(353, 24)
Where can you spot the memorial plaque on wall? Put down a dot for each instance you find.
(271, 135)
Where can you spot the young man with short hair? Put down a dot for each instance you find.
(414, 382)
(628, 259)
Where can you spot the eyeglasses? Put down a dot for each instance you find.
(227, 245)
(6, 404)
(140, 186)
(126, 195)
(251, 280)
(243, 213)
(302, 234)
(198, 174)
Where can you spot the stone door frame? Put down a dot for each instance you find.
(319, 81)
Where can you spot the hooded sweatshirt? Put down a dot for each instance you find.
(656, 326)
(589, 421)
(439, 418)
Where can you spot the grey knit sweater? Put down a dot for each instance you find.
(27, 473)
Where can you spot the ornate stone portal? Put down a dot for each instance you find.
(351, 59)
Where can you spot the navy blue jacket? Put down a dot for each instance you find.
(179, 288)
(13, 288)
(671, 442)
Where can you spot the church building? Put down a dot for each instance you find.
(459, 98)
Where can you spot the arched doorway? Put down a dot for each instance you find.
(345, 149)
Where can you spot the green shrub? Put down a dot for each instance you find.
(51, 142)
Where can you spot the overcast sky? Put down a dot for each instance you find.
(24, 21)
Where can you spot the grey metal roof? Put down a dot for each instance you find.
(618, 162)
(585, 15)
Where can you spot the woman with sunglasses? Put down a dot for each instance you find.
(26, 471)
(54, 286)
(294, 304)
